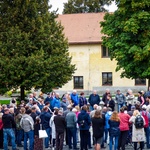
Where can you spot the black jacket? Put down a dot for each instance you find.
(98, 127)
(60, 123)
(8, 121)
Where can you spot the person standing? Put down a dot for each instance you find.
(94, 99)
(104, 98)
(111, 102)
(27, 124)
(120, 99)
(45, 118)
(98, 123)
(1, 131)
(71, 121)
(138, 135)
(60, 125)
(52, 125)
(124, 128)
(82, 100)
(74, 98)
(8, 125)
(38, 142)
(114, 130)
(84, 122)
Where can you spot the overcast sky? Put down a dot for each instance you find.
(59, 4)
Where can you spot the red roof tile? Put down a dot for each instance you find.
(82, 28)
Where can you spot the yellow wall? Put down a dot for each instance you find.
(90, 65)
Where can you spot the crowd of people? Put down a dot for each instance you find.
(74, 119)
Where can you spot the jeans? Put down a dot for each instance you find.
(9, 132)
(48, 131)
(147, 137)
(119, 106)
(111, 142)
(72, 134)
(19, 136)
(29, 135)
(106, 135)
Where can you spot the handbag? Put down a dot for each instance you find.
(43, 134)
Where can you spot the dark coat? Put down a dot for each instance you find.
(84, 116)
(114, 128)
(94, 99)
(98, 127)
(60, 123)
(45, 118)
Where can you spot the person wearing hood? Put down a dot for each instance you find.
(84, 122)
(27, 124)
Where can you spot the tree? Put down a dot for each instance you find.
(85, 6)
(127, 35)
(33, 48)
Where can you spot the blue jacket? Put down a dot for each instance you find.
(114, 128)
(83, 115)
(75, 99)
(56, 102)
(45, 118)
(107, 117)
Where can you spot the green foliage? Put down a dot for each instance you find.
(127, 35)
(33, 48)
(85, 6)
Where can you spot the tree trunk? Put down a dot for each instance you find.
(22, 92)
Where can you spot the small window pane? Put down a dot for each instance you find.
(139, 81)
(78, 82)
(105, 52)
(107, 78)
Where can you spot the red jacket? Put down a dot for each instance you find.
(124, 121)
(1, 124)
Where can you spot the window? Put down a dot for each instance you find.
(105, 52)
(78, 82)
(139, 81)
(106, 78)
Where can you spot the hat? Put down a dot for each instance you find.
(144, 107)
(132, 107)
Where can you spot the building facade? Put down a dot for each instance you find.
(95, 70)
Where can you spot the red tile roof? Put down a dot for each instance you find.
(82, 28)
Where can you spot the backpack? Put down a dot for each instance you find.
(145, 116)
(139, 122)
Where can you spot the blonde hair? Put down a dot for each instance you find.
(136, 112)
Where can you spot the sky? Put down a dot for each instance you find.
(59, 4)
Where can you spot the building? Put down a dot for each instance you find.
(95, 70)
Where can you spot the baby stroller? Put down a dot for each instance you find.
(129, 142)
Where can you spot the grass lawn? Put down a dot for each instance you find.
(4, 102)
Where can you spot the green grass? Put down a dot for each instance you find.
(4, 102)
